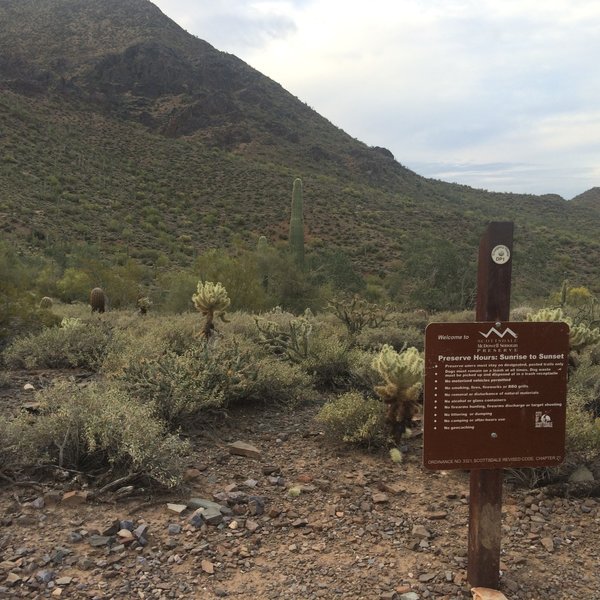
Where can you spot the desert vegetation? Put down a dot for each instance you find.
(175, 371)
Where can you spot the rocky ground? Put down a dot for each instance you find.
(294, 517)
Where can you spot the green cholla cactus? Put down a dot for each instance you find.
(357, 313)
(293, 343)
(297, 224)
(70, 323)
(211, 300)
(548, 314)
(144, 303)
(46, 303)
(402, 374)
(580, 335)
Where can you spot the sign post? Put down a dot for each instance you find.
(495, 398)
(494, 272)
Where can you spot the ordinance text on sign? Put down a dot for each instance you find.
(495, 395)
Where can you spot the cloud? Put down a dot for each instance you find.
(233, 25)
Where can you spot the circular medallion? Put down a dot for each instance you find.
(500, 254)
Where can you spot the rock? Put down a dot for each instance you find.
(45, 576)
(74, 498)
(75, 537)
(251, 525)
(197, 518)
(581, 475)
(28, 387)
(548, 544)
(300, 523)
(437, 516)
(125, 534)
(196, 503)
(243, 449)
(174, 528)
(99, 540)
(12, 579)
(208, 567)
(53, 497)
(482, 593)
(64, 580)
(176, 508)
(270, 469)
(427, 577)
(409, 596)
(420, 532)
(192, 474)
(38, 503)
(380, 498)
(212, 516)
(57, 592)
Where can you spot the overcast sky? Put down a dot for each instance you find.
(497, 94)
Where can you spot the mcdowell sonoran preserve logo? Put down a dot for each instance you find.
(499, 334)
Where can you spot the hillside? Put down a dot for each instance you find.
(120, 129)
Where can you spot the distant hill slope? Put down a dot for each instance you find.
(121, 129)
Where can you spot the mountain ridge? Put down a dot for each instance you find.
(123, 121)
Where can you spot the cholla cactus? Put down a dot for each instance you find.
(211, 300)
(580, 335)
(70, 323)
(402, 374)
(292, 343)
(143, 303)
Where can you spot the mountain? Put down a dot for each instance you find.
(120, 129)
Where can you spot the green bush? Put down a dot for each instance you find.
(397, 337)
(93, 427)
(335, 366)
(135, 339)
(73, 344)
(352, 417)
(182, 387)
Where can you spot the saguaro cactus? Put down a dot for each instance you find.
(98, 300)
(297, 224)
(262, 260)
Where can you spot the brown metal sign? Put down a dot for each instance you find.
(495, 395)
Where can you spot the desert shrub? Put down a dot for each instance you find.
(520, 313)
(397, 337)
(93, 427)
(182, 387)
(419, 319)
(282, 383)
(136, 339)
(353, 417)
(583, 427)
(73, 344)
(335, 366)
(463, 316)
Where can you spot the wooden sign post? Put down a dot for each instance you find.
(495, 398)
(485, 504)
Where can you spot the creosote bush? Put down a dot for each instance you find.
(93, 427)
(182, 387)
(354, 418)
(74, 344)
